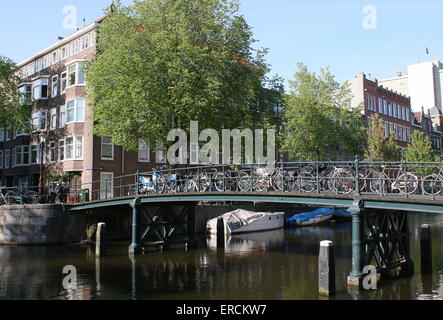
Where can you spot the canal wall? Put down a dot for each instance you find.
(50, 224)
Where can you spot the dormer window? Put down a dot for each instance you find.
(40, 88)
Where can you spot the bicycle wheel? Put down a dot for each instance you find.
(377, 183)
(30, 197)
(244, 182)
(220, 181)
(432, 185)
(306, 182)
(406, 183)
(261, 184)
(280, 182)
(203, 182)
(9, 197)
(160, 185)
(343, 181)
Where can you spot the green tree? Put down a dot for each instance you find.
(12, 109)
(163, 63)
(420, 150)
(379, 147)
(319, 123)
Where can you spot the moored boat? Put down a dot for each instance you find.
(244, 221)
(316, 217)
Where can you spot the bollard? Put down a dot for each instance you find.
(220, 233)
(426, 249)
(326, 269)
(100, 246)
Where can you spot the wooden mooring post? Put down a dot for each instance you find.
(220, 233)
(100, 245)
(426, 249)
(326, 269)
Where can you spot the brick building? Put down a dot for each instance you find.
(394, 108)
(61, 136)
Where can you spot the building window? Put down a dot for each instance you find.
(7, 159)
(26, 94)
(2, 135)
(64, 53)
(54, 91)
(22, 130)
(52, 157)
(64, 82)
(53, 121)
(62, 116)
(143, 152)
(40, 89)
(76, 75)
(55, 57)
(107, 148)
(2, 160)
(9, 132)
(84, 42)
(106, 185)
(61, 150)
(74, 48)
(71, 75)
(73, 148)
(39, 120)
(407, 114)
(21, 156)
(160, 155)
(34, 154)
(75, 111)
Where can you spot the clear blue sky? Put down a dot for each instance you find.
(315, 32)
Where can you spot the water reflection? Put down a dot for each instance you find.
(249, 243)
(279, 264)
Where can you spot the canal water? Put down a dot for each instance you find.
(277, 265)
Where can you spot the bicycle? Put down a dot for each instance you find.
(404, 182)
(6, 198)
(432, 185)
(154, 184)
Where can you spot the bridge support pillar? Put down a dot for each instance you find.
(380, 238)
(135, 247)
(356, 276)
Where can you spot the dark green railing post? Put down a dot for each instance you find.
(137, 183)
(224, 178)
(135, 247)
(406, 179)
(357, 177)
(354, 279)
(318, 176)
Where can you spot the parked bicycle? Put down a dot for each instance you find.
(392, 180)
(432, 185)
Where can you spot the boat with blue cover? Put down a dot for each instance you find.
(318, 217)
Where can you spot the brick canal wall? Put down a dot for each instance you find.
(50, 224)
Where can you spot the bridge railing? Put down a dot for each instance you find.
(381, 179)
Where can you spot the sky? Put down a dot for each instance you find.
(380, 37)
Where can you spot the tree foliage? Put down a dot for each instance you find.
(380, 147)
(12, 109)
(420, 150)
(163, 63)
(318, 119)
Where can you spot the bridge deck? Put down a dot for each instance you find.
(392, 202)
